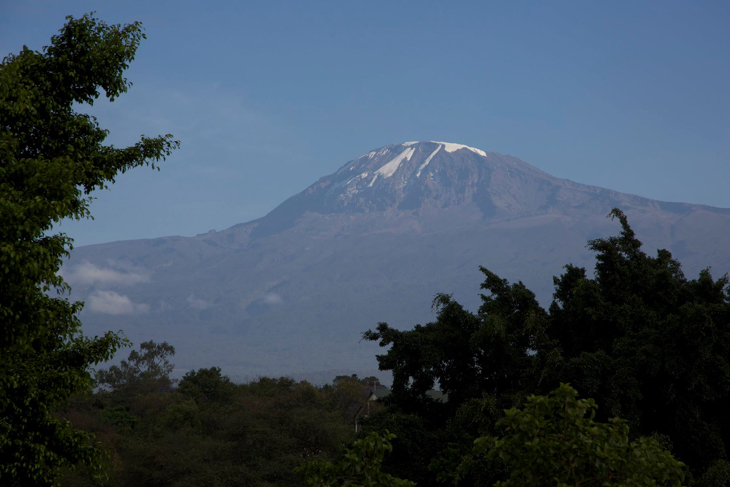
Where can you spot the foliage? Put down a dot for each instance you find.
(210, 431)
(415, 444)
(371, 381)
(718, 475)
(552, 441)
(144, 371)
(351, 396)
(467, 354)
(207, 385)
(360, 466)
(648, 344)
(51, 159)
(484, 362)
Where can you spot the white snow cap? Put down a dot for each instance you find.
(451, 147)
(389, 168)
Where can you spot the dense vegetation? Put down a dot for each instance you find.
(646, 343)
(207, 430)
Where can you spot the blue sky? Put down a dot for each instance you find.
(268, 96)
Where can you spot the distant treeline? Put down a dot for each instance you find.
(206, 430)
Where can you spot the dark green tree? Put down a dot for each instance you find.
(648, 344)
(466, 354)
(207, 386)
(51, 159)
(475, 358)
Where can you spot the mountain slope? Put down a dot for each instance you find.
(290, 293)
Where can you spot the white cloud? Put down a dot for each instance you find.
(197, 303)
(113, 303)
(273, 298)
(88, 273)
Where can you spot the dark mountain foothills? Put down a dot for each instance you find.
(291, 293)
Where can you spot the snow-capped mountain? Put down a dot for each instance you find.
(290, 293)
(409, 176)
(415, 175)
(427, 176)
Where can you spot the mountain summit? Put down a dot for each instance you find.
(423, 177)
(414, 175)
(418, 175)
(291, 292)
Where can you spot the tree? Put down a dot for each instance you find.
(51, 159)
(145, 371)
(648, 344)
(360, 466)
(272, 426)
(207, 385)
(551, 441)
(467, 354)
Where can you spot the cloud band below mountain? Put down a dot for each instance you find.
(113, 303)
(90, 274)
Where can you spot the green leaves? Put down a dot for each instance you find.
(554, 440)
(360, 466)
(207, 385)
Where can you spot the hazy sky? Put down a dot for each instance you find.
(268, 96)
